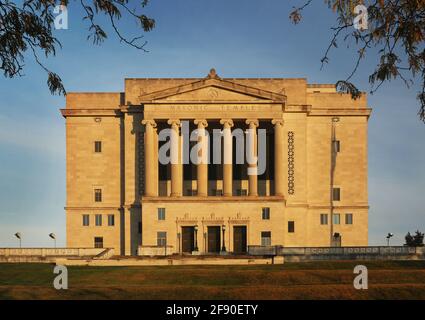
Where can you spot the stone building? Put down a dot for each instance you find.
(313, 191)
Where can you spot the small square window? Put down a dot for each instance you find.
(98, 195)
(323, 219)
(336, 194)
(266, 238)
(98, 220)
(266, 213)
(98, 146)
(349, 218)
(291, 226)
(86, 220)
(111, 220)
(98, 242)
(337, 218)
(162, 239)
(161, 213)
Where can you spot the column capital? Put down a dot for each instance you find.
(279, 122)
(253, 122)
(150, 122)
(174, 122)
(227, 122)
(201, 122)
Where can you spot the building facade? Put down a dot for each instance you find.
(311, 189)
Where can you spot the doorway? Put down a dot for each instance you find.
(336, 240)
(239, 239)
(188, 239)
(214, 239)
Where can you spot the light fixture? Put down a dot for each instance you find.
(18, 235)
(389, 236)
(53, 236)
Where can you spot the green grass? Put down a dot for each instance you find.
(311, 280)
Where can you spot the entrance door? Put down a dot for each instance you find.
(239, 239)
(214, 239)
(188, 239)
(336, 240)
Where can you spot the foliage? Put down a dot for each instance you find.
(416, 240)
(29, 26)
(395, 28)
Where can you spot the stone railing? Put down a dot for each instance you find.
(52, 252)
(343, 251)
(155, 251)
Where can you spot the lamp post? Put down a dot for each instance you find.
(18, 235)
(223, 228)
(178, 241)
(196, 239)
(333, 164)
(53, 236)
(205, 242)
(389, 236)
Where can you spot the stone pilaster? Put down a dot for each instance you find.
(151, 175)
(227, 157)
(252, 167)
(202, 166)
(278, 157)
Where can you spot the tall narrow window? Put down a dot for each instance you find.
(266, 238)
(111, 220)
(266, 213)
(98, 220)
(337, 218)
(139, 227)
(86, 220)
(323, 219)
(98, 146)
(98, 242)
(161, 239)
(337, 146)
(291, 226)
(336, 194)
(98, 195)
(161, 213)
(348, 218)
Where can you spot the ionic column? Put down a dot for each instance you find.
(150, 172)
(175, 155)
(278, 157)
(202, 164)
(227, 157)
(252, 163)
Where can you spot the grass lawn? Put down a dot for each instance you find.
(312, 280)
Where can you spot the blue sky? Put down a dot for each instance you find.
(240, 39)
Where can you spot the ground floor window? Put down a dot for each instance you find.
(111, 220)
(98, 242)
(162, 239)
(291, 226)
(323, 219)
(337, 218)
(266, 238)
(98, 219)
(349, 218)
(86, 220)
